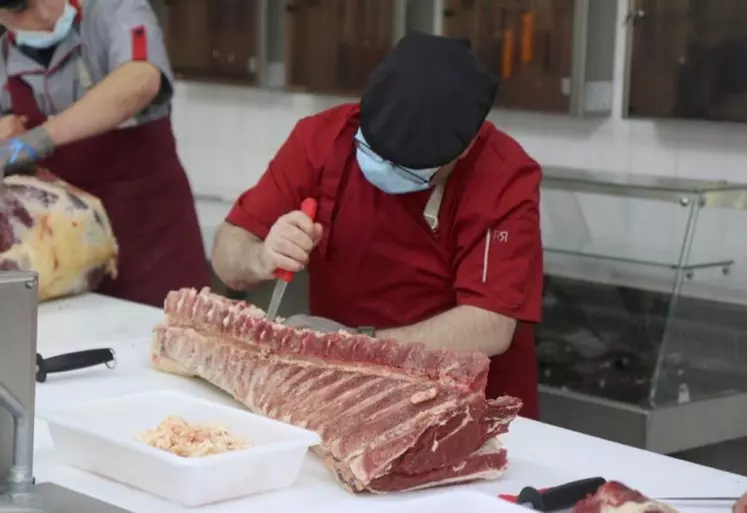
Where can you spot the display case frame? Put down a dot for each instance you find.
(665, 421)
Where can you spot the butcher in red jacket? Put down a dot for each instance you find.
(428, 221)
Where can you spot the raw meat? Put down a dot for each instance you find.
(614, 497)
(57, 230)
(391, 416)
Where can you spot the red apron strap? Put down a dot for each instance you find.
(22, 99)
(332, 179)
(23, 102)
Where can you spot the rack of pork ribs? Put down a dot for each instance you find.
(391, 416)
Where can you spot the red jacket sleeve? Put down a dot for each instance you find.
(499, 246)
(288, 180)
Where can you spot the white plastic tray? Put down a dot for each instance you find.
(100, 437)
(449, 501)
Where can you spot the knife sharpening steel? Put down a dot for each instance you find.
(18, 493)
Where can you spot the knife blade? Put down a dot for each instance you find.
(560, 497)
(284, 277)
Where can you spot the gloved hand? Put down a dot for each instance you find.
(320, 324)
(20, 154)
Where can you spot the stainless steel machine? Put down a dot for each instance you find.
(18, 491)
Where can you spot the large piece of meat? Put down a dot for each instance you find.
(391, 416)
(614, 497)
(57, 230)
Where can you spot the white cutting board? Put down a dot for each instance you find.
(442, 502)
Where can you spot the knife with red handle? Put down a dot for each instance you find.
(284, 277)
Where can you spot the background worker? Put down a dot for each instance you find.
(87, 87)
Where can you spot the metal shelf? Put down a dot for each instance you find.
(682, 190)
(636, 255)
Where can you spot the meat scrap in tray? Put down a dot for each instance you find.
(177, 436)
(391, 416)
(614, 497)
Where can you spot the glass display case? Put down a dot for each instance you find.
(687, 59)
(644, 332)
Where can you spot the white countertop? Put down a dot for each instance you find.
(539, 454)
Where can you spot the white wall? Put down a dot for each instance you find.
(227, 135)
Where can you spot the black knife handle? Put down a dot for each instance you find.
(560, 497)
(73, 361)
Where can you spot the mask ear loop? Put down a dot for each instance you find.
(433, 207)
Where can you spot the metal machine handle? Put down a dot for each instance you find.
(19, 297)
(20, 479)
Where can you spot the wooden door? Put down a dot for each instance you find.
(333, 45)
(527, 43)
(311, 53)
(365, 35)
(189, 37)
(235, 35)
(688, 60)
(658, 57)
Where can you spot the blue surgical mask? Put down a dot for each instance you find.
(42, 40)
(388, 177)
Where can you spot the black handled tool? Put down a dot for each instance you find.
(560, 497)
(73, 361)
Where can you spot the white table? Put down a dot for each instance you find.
(540, 455)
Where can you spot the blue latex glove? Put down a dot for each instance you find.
(19, 154)
(319, 324)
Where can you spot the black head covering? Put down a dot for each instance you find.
(13, 5)
(426, 101)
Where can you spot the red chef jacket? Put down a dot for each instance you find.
(380, 264)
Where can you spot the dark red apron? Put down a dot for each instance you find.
(136, 173)
(380, 264)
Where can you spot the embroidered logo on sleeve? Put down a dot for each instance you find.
(492, 237)
(499, 236)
